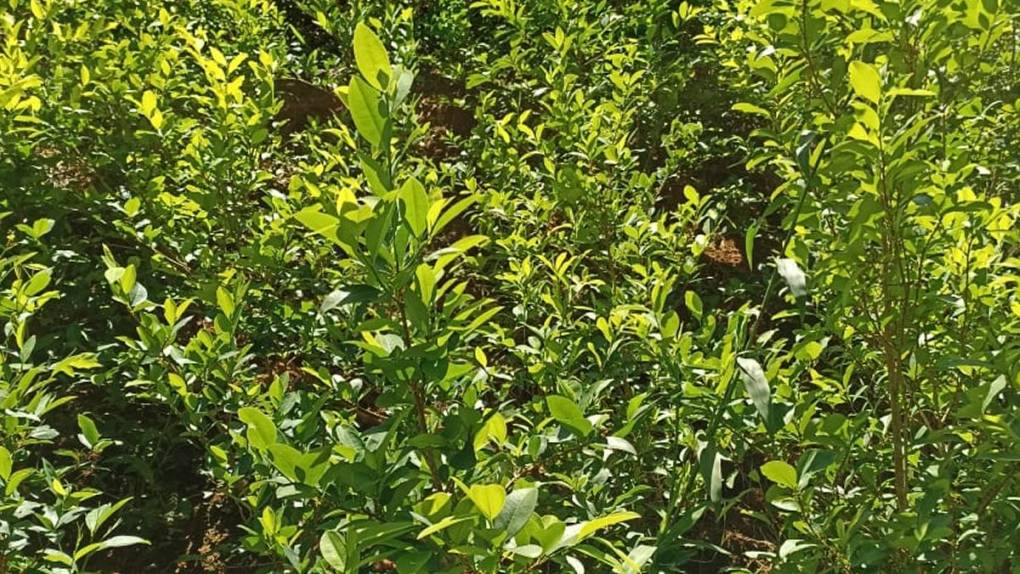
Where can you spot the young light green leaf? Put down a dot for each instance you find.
(488, 498)
(58, 557)
(441, 525)
(694, 304)
(261, 430)
(592, 526)
(41, 227)
(363, 102)
(148, 103)
(780, 472)
(910, 92)
(324, 224)
(416, 205)
(494, 430)
(426, 282)
(16, 478)
(225, 301)
(371, 57)
(38, 282)
(567, 413)
(6, 464)
(749, 108)
(865, 81)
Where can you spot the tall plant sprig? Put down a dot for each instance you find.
(389, 233)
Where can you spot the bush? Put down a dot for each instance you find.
(509, 286)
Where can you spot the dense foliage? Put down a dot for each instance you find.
(512, 286)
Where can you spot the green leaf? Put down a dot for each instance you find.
(752, 232)
(285, 458)
(869, 7)
(426, 282)
(519, 506)
(865, 81)
(488, 498)
(441, 525)
(563, 408)
(416, 205)
(446, 255)
(349, 295)
(371, 57)
(493, 430)
(41, 227)
(592, 526)
(6, 464)
(549, 532)
(86, 550)
(780, 473)
(261, 430)
(402, 87)
(304, 467)
(80, 362)
(911, 92)
(994, 388)
(710, 465)
(333, 548)
(567, 413)
(527, 551)
(763, 8)
(751, 109)
(693, 303)
(113, 542)
(38, 282)
(638, 557)
(756, 384)
(377, 175)
(869, 36)
(98, 516)
(225, 301)
(450, 213)
(792, 546)
(122, 541)
(148, 103)
(58, 557)
(322, 223)
(363, 102)
(17, 477)
(620, 444)
(88, 430)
